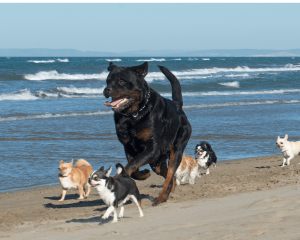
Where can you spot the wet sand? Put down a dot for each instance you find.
(240, 199)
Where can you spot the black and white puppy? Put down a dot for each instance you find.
(205, 156)
(115, 191)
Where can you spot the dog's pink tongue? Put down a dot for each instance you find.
(112, 104)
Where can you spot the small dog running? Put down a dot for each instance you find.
(187, 170)
(75, 177)
(289, 149)
(205, 155)
(115, 191)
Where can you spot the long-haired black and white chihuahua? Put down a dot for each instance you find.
(205, 156)
(115, 191)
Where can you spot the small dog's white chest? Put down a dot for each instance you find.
(106, 195)
(285, 154)
(67, 183)
(202, 161)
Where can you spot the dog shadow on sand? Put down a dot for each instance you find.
(97, 219)
(79, 204)
(68, 197)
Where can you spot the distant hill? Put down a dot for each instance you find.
(43, 52)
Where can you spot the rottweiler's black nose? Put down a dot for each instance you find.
(106, 92)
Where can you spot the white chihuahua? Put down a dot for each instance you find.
(289, 149)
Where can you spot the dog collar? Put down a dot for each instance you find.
(137, 113)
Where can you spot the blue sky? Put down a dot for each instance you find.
(120, 27)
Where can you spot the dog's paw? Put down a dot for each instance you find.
(104, 217)
(120, 216)
(157, 201)
(114, 221)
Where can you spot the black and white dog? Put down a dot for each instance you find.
(205, 156)
(115, 191)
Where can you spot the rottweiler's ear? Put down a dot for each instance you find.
(111, 66)
(141, 69)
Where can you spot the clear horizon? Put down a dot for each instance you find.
(121, 27)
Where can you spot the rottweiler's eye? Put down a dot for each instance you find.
(121, 82)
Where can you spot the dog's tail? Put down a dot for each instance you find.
(82, 162)
(122, 170)
(176, 88)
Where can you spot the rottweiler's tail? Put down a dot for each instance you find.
(122, 170)
(176, 88)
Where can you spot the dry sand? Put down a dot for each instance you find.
(242, 199)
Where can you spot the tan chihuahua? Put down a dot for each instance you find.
(75, 177)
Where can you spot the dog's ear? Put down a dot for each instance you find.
(108, 171)
(71, 162)
(278, 138)
(61, 161)
(101, 169)
(286, 137)
(208, 147)
(111, 66)
(141, 69)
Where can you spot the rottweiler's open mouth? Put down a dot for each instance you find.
(117, 103)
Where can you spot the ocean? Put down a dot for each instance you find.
(53, 109)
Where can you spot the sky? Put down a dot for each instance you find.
(121, 27)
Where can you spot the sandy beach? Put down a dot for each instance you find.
(251, 198)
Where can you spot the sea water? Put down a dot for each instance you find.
(53, 109)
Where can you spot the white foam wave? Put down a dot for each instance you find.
(81, 90)
(238, 75)
(151, 60)
(114, 60)
(215, 93)
(237, 69)
(53, 115)
(211, 71)
(54, 75)
(41, 61)
(62, 60)
(20, 95)
(176, 59)
(192, 59)
(241, 104)
(235, 84)
(205, 59)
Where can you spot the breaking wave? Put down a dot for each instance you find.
(235, 84)
(114, 60)
(151, 60)
(217, 93)
(41, 61)
(54, 75)
(62, 60)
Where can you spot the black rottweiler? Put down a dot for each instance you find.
(151, 128)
